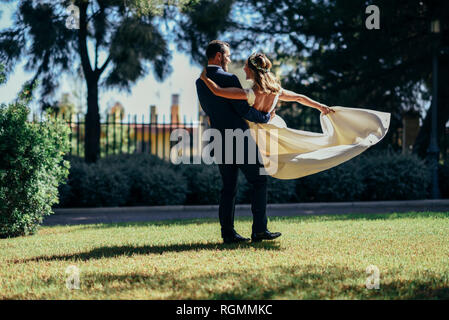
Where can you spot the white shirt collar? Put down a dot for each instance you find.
(213, 65)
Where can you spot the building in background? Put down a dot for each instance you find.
(155, 135)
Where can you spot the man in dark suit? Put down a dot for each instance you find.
(230, 114)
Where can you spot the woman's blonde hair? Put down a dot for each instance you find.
(264, 79)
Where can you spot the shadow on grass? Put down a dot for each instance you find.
(316, 282)
(305, 218)
(276, 282)
(117, 251)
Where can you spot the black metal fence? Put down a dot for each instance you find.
(139, 135)
(120, 135)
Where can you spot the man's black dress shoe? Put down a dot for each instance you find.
(236, 238)
(266, 235)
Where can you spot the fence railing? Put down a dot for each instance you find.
(119, 135)
(133, 135)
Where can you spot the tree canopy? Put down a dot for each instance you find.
(328, 52)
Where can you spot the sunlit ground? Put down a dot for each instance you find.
(321, 257)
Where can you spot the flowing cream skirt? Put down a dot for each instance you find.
(290, 154)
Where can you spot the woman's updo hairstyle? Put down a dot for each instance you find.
(264, 79)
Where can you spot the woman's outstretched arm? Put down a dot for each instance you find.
(291, 96)
(229, 93)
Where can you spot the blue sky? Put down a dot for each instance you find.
(145, 92)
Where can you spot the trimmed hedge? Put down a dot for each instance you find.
(392, 176)
(203, 183)
(369, 177)
(122, 180)
(143, 179)
(156, 185)
(341, 183)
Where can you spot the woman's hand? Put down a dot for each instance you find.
(325, 109)
(203, 74)
(272, 114)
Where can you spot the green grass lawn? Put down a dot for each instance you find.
(322, 257)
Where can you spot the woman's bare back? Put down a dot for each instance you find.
(263, 101)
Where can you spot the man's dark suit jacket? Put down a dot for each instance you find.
(226, 113)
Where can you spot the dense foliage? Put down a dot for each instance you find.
(143, 179)
(31, 168)
(327, 52)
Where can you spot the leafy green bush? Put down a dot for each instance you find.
(372, 176)
(31, 168)
(71, 193)
(118, 180)
(133, 160)
(341, 183)
(394, 176)
(156, 185)
(203, 183)
(104, 186)
(152, 181)
(142, 179)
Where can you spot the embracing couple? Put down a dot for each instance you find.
(229, 113)
(347, 132)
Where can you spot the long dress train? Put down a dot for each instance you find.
(346, 133)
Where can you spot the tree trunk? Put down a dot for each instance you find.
(423, 138)
(92, 136)
(92, 122)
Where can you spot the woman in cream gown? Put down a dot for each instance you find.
(347, 132)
